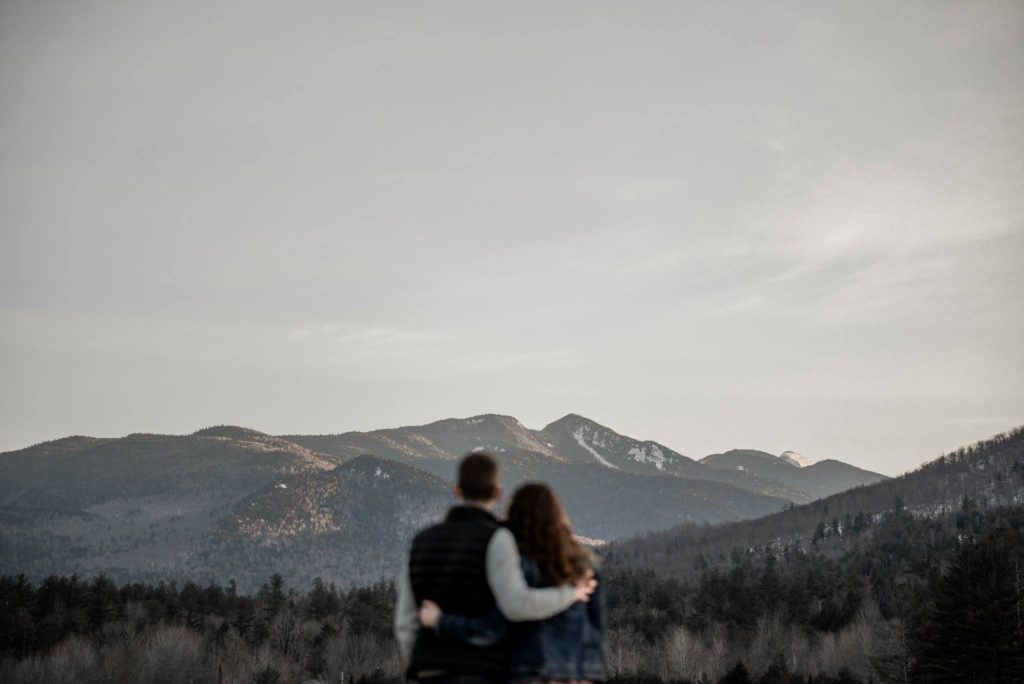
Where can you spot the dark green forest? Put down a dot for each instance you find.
(910, 599)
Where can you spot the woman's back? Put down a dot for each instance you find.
(569, 645)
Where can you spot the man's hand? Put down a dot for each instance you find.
(430, 614)
(585, 586)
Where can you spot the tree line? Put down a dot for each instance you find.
(66, 629)
(915, 600)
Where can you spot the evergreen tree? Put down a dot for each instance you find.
(319, 600)
(860, 522)
(277, 596)
(967, 635)
(737, 675)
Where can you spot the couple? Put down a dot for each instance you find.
(481, 601)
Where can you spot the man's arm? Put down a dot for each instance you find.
(485, 630)
(517, 601)
(407, 622)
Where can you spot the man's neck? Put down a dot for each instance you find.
(483, 505)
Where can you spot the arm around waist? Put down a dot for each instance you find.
(516, 600)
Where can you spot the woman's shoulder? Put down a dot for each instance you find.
(591, 562)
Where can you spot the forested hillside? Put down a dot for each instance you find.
(916, 579)
(989, 473)
(911, 600)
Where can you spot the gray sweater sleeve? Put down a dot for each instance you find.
(407, 619)
(517, 601)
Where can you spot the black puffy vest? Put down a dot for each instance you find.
(448, 565)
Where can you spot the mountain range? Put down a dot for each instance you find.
(235, 502)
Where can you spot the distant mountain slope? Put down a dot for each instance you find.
(607, 504)
(77, 473)
(816, 479)
(135, 504)
(350, 524)
(989, 473)
(828, 477)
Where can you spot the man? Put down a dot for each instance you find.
(469, 564)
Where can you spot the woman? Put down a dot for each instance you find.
(568, 647)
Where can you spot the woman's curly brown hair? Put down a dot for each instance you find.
(544, 534)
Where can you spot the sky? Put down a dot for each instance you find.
(716, 225)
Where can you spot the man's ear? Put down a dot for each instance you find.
(458, 493)
(499, 492)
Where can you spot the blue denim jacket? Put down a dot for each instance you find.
(569, 645)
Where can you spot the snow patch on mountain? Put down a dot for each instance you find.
(796, 459)
(578, 434)
(648, 453)
(590, 541)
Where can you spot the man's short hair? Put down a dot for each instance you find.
(478, 477)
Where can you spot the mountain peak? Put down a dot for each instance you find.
(490, 418)
(230, 431)
(571, 419)
(586, 441)
(748, 459)
(796, 459)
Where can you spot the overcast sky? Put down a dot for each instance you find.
(764, 225)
